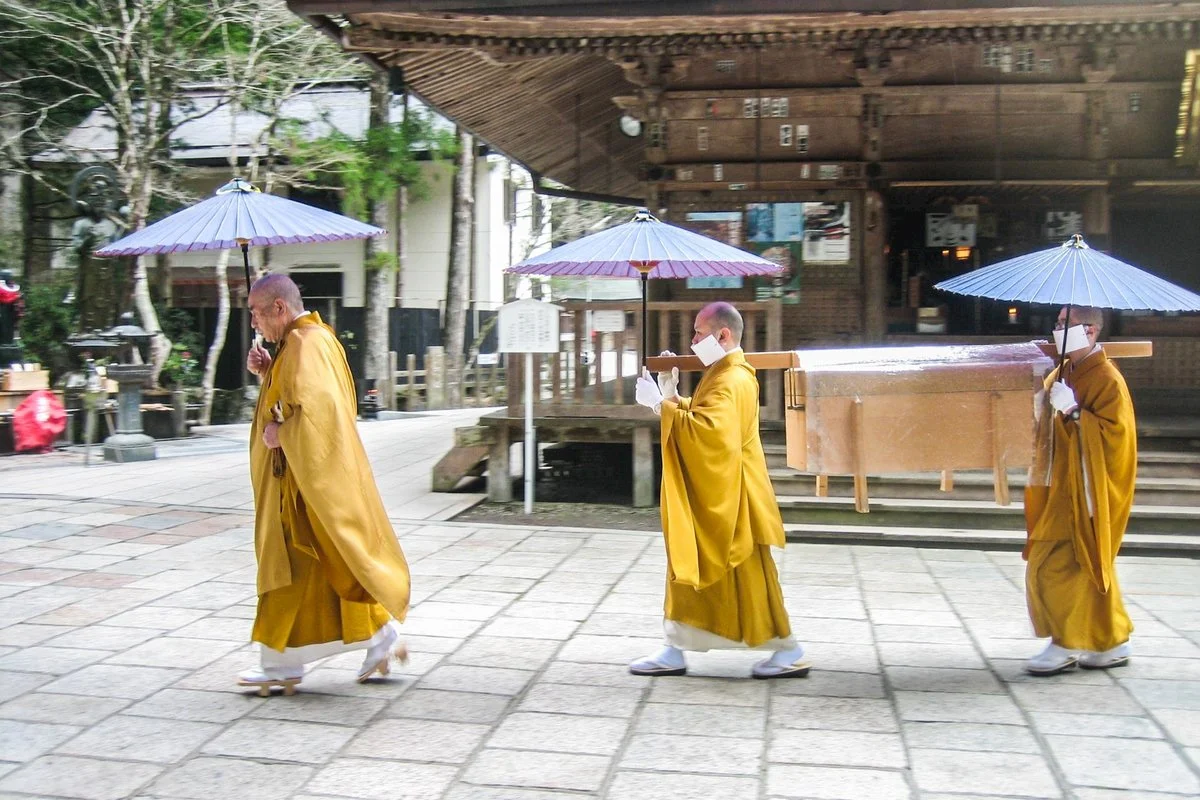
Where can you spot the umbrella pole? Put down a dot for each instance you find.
(1062, 351)
(245, 245)
(645, 318)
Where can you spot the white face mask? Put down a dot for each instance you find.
(1075, 337)
(708, 350)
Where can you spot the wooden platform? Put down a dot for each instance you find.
(496, 433)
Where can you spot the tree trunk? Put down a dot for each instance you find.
(380, 272)
(454, 329)
(218, 344)
(160, 345)
(12, 208)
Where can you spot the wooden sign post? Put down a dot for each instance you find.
(528, 326)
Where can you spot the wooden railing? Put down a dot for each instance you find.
(596, 378)
(433, 388)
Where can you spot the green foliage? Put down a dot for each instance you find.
(182, 368)
(382, 262)
(46, 324)
(371, 169)
(185, 364)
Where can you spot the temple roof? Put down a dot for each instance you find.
(547, 82)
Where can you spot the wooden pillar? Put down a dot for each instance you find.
(435, 378)
(1097, 219)
(874, 265)
(389, 385)
(643, 467)
(774, 377)
(499, 482)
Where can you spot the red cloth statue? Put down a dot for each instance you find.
(38, 421)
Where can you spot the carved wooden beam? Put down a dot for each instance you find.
(619, 36)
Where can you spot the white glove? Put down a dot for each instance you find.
(1062, 398)
(647, 393)
(668, 382)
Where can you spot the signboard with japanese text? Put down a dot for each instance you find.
(608, 321)
(529, 326)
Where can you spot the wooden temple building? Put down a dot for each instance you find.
(874, 146)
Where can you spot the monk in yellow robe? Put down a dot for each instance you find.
(719, 513)
(1076, 519)
(331, 574)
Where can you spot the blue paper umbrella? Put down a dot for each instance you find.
(240, 216)
(646, 248)
(1073, 275)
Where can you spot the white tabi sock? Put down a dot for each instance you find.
(669, 657)
(785, 658)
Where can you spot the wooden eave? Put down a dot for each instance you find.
(541, 88)
(663, 8)
(527, 36)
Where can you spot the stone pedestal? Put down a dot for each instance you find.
(129, 443)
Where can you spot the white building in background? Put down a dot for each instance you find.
(503, 196)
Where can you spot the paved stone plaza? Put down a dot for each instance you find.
(126, 594)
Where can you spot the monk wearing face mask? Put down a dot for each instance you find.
(1077, 519)
(719, 513)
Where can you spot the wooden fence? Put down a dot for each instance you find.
(441, 384)
(591, 375)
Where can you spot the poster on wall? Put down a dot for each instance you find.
(826, 233)
(785, 286)
(947, 230)
(775, 222)
(724, 226)
(1062, 225)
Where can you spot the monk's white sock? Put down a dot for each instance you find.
(785, 658)
(669, 657)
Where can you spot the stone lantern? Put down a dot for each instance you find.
(129, 443)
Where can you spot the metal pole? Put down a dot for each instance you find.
(530, 445)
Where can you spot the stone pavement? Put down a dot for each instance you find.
(126, 594)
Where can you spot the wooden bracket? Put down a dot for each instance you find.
(999, 464)
(858, 437)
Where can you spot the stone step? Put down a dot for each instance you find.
(1169, 464)
(1147, 544)
(973, 485)
(964, 514)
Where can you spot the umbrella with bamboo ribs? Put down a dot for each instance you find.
(1073, 274)
(645, 248)
(240, 216)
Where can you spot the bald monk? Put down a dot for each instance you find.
(331, 574)
(719, 513)
(1076, 524)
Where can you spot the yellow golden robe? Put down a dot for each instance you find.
(1071, 580)
(329, 566)
(719, 514)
